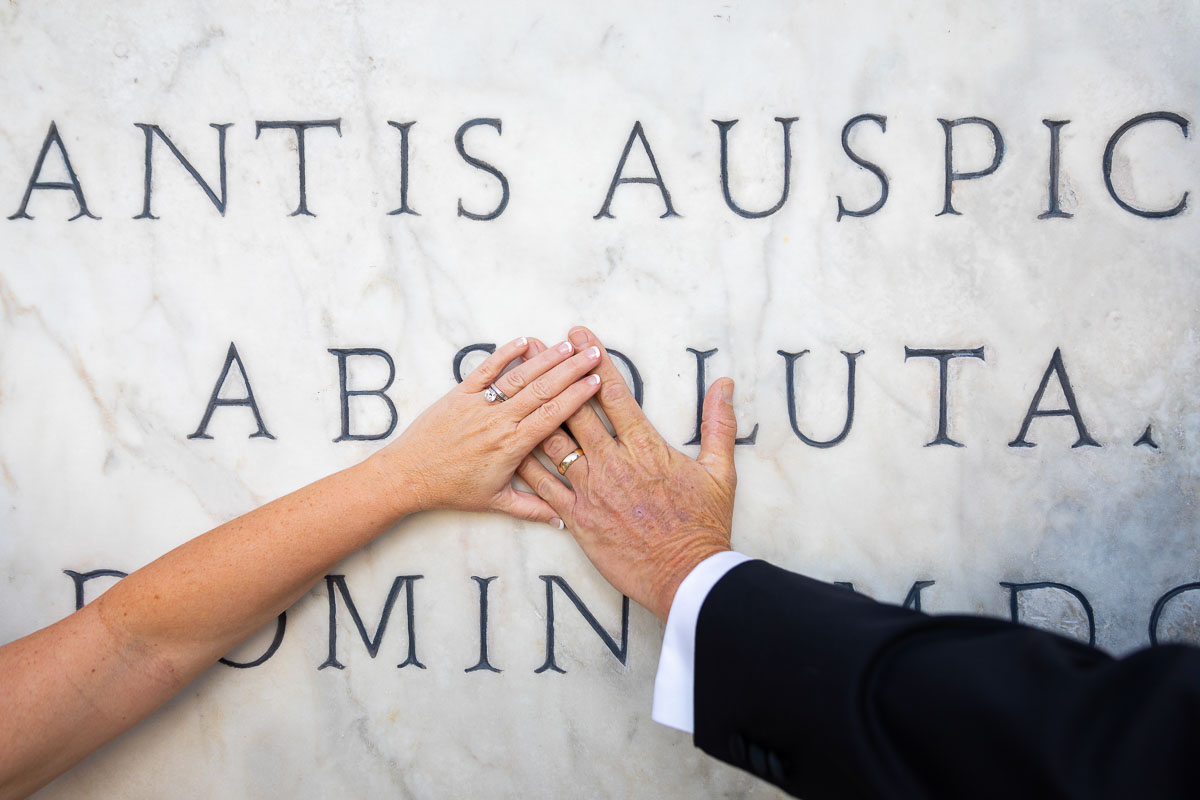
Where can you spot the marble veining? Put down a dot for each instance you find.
(114, 330)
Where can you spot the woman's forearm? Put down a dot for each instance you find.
(71, 687)
(192, 605)
(91, 676)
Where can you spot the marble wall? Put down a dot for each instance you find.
(1049, 273)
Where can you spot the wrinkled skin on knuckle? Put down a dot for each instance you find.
(640, 442)
(556, 443)
(484, 374)
(551, 410)
(715, 427)
(643, 517)
(531, 514)
(613, 392)
(545, 486)
(516, 381)
(513, 449)
(541, 390)
(611, 476)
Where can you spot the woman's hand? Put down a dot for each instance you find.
(461, 452)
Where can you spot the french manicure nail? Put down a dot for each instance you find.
(565, 348)
(593, 380)
(593, 353)
(558, 523)
(521, 342)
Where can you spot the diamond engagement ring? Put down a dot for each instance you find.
(493, 394)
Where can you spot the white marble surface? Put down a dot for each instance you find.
(112, 333)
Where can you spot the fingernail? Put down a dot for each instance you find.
(558, 523)
(565, 348)
(593, 353)
(521, 342)
(578, 338)
(593, 380)
(727, 392)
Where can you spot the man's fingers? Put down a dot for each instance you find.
(558, 446)
(547, 486)
(524, 505)
(718, 431)
(589, 430)
(482, 376)
(615, 397)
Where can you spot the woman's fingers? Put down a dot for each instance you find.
(482, 376)
(541, 421)
(548, 487)
(546, 386)
(536, 364)
(557, 447)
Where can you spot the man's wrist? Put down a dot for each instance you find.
(676, 570)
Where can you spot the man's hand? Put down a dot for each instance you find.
(644, 513)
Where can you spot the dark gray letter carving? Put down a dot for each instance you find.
(404, 207)
(867, 165)
(943, 357)
(1054, 211)
(790, 381)
(372, 642)
(215, 400)
(701, 384)
(1016, 588)
(951, 176)
(381, 393)
(1072, 410)
(617, 179)
(483, 165)
(620, 651)
(724, 126)
(150, 131)
(483, 662)
(73, 186)
(300, 128)
(1166, 116)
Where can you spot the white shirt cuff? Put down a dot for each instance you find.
(673, 699)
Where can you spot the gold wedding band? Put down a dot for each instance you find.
(571, 458)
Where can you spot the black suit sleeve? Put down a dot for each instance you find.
(827, 693)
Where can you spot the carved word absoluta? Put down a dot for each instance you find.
(1055, 371)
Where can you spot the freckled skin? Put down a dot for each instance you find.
(72, 686)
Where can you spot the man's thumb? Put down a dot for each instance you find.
(718, 430)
